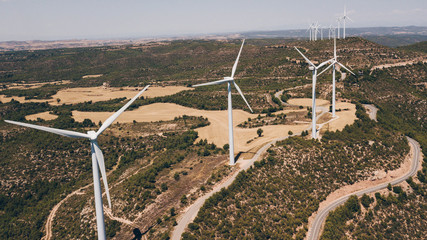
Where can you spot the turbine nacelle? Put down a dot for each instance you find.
(92, 135)
(334, 61)
(311, 68)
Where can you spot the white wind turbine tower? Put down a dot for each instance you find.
(331, 31)
(344, 18)
(97, 159)
(339, 21)
(230, 80)
(310, 30)
(314, 69)
(321, 33)
(334, 62)
(316, 30)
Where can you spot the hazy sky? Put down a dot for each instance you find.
(68, 19)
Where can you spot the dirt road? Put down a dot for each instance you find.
(48, 226)
(389, 65)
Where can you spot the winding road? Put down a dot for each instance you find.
(278, 94)
(80, 191)
(48, 226)
(315, 230)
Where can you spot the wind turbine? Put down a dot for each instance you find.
(321, 33)
(314, 69)
(344, 18)
(334, 61)
(98, 164)
(230, 80)
(331, 31)
(316, 30)
(339, 21)
(310, 28)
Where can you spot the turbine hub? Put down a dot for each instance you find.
(92, 135)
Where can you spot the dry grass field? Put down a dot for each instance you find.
(35, 85)
(246, 140)
(43, 115)
(306, 102)
(96, 94)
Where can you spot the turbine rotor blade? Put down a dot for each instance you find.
(326, 69)
(212, 83)
(61, 132)
(346, 68)
(241, 94)
(101, 164)
(113, 117)
(306, 59)
(324, 63)
(237, 60)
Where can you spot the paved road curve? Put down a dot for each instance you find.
(314, 231)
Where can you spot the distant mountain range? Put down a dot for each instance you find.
(370, 31)
(388, 36)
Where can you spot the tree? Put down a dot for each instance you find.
(366, 200)
(259, 132)
(226, 147)
(184, 199)
(290, 133)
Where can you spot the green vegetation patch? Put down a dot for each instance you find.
(279, 189)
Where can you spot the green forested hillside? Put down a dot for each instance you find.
(416, 47)
(39, 169)
(279, 189)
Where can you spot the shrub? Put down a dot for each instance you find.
(259, 132)
(176, 176)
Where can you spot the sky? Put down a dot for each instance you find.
(108, 19)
